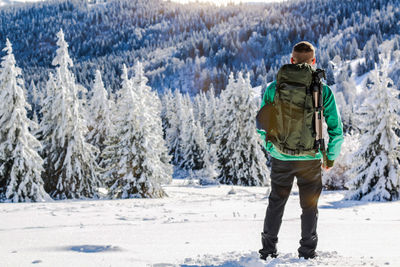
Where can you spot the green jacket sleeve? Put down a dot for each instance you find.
(268, 97)
(334, 123)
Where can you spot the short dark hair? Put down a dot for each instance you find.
(303, 52)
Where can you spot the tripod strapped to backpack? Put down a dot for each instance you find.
(318, 106)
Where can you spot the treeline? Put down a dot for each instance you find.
(76, 142)
(79, 146)
(191, 47)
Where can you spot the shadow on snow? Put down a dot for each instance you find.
(93, 248)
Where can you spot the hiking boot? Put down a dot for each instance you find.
(268, 243)
(268, 246)
(307, 247)
(264, 255)
(308, 256)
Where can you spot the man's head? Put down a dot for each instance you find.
(303, 52)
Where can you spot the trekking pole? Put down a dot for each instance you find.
(318, 104)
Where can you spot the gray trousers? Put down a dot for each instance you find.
(308, 174)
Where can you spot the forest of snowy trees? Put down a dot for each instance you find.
(189, 47)
(116, 141)
(102, 106)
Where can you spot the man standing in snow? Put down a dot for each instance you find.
(293, 148)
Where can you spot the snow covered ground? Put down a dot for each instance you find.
(194, 226)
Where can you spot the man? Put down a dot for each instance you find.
(306, 168)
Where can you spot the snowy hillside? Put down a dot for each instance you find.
(190, 47)
(194, 226)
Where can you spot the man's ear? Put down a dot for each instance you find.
(314, 60)
(292, 60)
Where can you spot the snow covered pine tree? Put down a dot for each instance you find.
(210, 170)
(240, 155)
(35, 99)
(70, 164)
(100, 124)
(167, 100)
(136, 155)
(152, 108)
(175, 113)
(211, 129)
(193, 145)
(20, 164)
(377, 168)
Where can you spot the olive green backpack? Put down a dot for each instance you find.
(289, 121)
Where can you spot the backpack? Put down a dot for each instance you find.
(290, 119)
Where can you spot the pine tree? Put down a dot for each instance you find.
(377, 171)
(330, 78)
(193, 144)
(210, 171)
(100, 125)
(211, 129)
(35, 99)
(240, 155)
(151, 107)
(20, 164)
(371, 53)
(354, 49)
(70, 164)
(167, 105)
(199, 108)
(173, 134)
(47, 125)
(136, 157)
